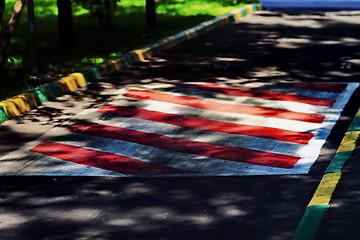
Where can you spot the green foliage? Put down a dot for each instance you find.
(14, 61)
(129, 32)
(102, 9)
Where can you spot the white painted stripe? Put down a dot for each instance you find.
(212, 166)
(248, 101)
(299, 91)
(252, 101)
(308, 152)
(277, 88)
(221, 117)
(345, 95)
(254, 143)
(23, 162)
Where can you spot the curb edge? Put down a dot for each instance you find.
(24, 102)
(320, 202)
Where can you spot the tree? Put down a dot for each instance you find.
(151, 13)
(10, 29)
(2, 9)
(65, 22)
(102, 9)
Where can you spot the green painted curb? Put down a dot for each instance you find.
(92, 73)
(310, 222)
(47, 92)
(338, 162)
(313, 215)
(355, 124)
(3, 116)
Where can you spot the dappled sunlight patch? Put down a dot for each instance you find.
(9, 219)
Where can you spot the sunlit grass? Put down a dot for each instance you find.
(93, 45)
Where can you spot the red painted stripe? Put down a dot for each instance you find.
(225, 107)
(186, 146)
(234, 91)
(103, 160)
(326, 87)
(208, 125)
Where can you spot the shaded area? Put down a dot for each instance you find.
(259, 50)
(297, 47)
(185, 208)
(129, 32)
(341, 220)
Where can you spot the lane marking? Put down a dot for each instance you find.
(181, 145)
(246, 100)
(208, 166)
(325, 190)
(320, 202)
(197, 141)
(218, 138)
(326, 87)
(348, 143)
(223, 107)
(237, 118)
(236, 91)
(208, 125)
(103, 160)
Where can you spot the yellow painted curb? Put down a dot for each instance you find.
(358, 113)
(238, 15)
(143, 54)
(79, 79)
(72, 82)
(19, 104)
(348, 143)
(67, 84)
(325, 189)
(249, 9)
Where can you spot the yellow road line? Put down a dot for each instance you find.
(348, 143)
(325, 189)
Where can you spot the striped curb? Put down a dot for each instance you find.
(19, 104)
(320, 202)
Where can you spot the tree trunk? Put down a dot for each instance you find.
(10, 29)
(32, 35)
(65, 23)
(2, 9)
(106, 16)
(151, 13)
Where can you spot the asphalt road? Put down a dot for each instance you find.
(267, 47)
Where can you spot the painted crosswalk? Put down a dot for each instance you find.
(191, 129)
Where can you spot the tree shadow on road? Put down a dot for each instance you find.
(265, 51)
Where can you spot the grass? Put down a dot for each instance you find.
(93, 44)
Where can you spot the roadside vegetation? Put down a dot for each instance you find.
(93, 42)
